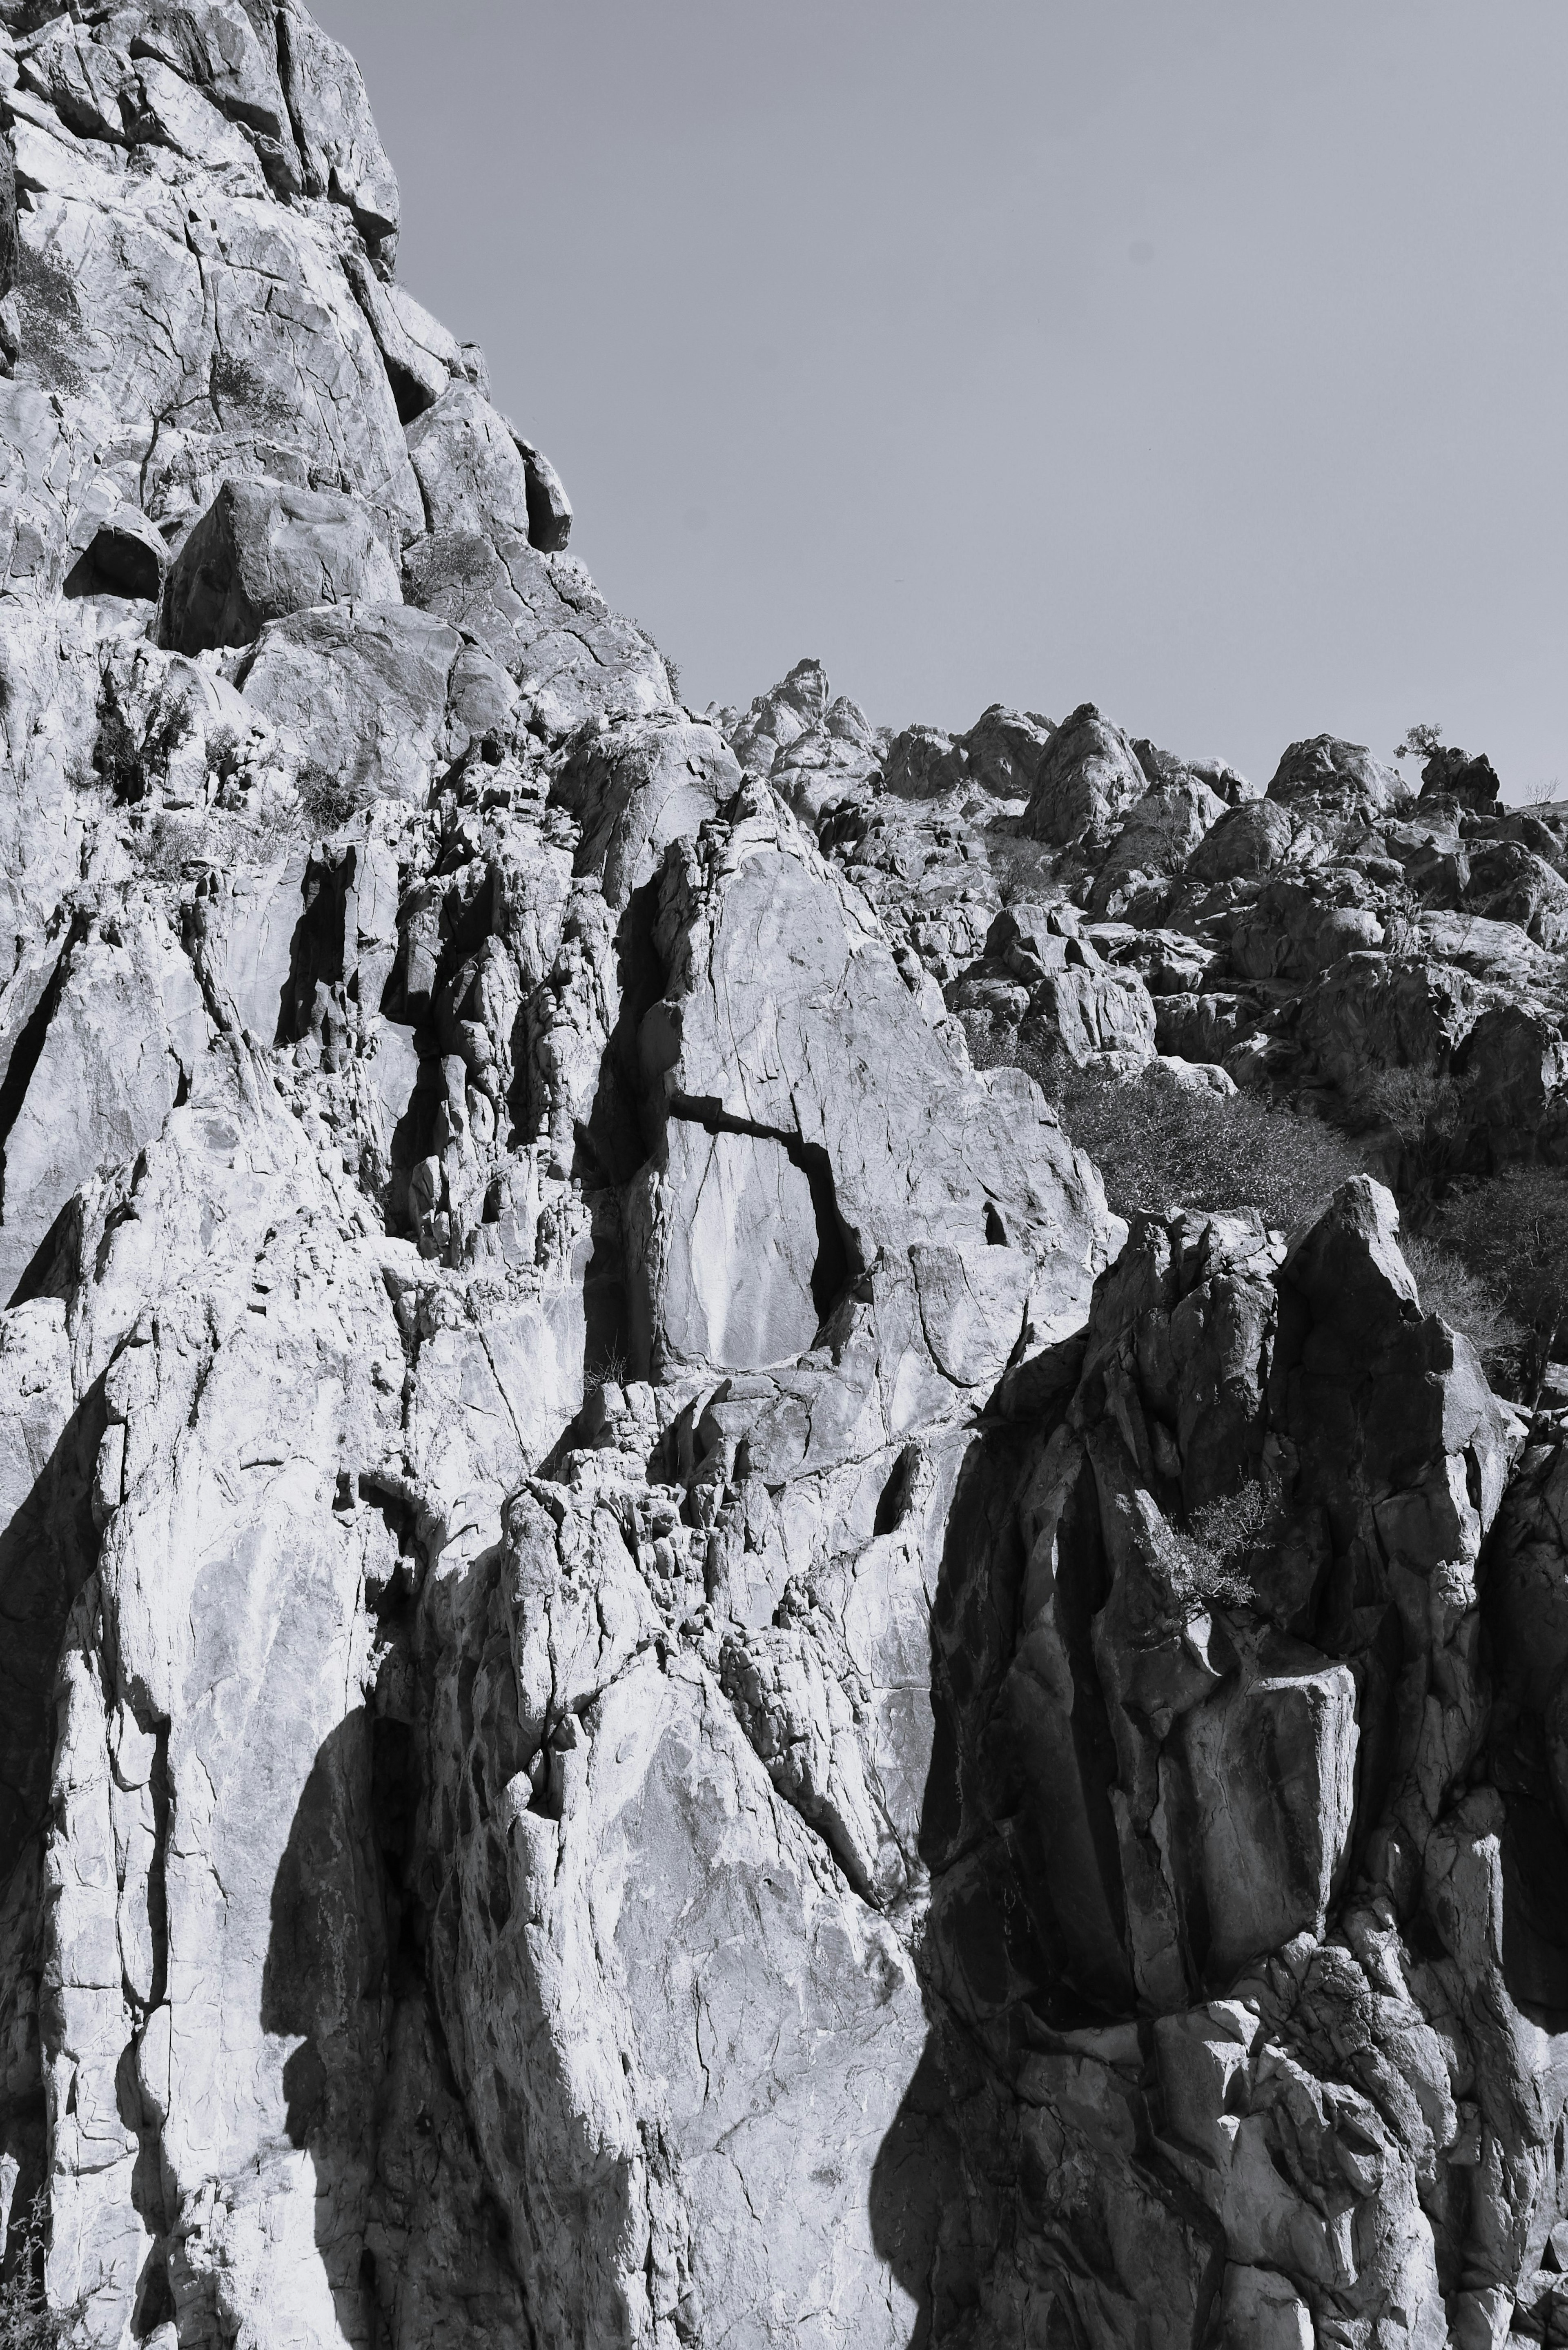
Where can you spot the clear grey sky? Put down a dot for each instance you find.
(1204, 358)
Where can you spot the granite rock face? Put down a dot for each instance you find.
(658, 1689)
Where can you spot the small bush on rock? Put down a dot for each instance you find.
(129, 766)
(1418, 1104)
(1016, 867)
(1464, 1300)
(164, 847)
(26, 2321)
(328, 801)
(1205, 1561)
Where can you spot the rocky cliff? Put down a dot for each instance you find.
(629, 1716)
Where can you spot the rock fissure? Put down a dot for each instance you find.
(837, 1263)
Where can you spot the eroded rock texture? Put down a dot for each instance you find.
(622, 1719)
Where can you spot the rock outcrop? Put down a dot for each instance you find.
(1334, 933)
(659, 1689)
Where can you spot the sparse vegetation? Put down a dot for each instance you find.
(1463, 1299)
(128, 764)
(1509, 1234)
(1421, 742)
(671, 667)
(1017, 866)
(163, 847)
(1426, 1115)
(1491, 1258)
(1159, 1147)
(1205, 1561)
(26, 2321)
(1417, 1103)
(328, 801)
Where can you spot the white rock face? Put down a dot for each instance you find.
(614, 1729)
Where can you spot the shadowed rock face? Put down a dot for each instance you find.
(657, 1691)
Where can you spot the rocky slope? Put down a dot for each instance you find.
(619, 1724)
(1341, 925)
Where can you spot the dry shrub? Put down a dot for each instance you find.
(1510, 1234)
(1158, 1147)
(26, 2321)
(129, 765)
(1019, 867)
(1205, 1562)
(328, 801)
(1463, 1300)
(164, 849)
(1420, 1106)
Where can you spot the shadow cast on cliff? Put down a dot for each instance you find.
(48, 1552)
(338, 1956)
(930, 2216)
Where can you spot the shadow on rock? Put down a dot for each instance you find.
(934, 2212)
(48, 1550)
(332, 1957)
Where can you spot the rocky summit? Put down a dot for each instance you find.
(658, 1688)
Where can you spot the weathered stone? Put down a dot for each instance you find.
(543, 620)
(1452, 774)
(1159, 835)
(764, 956)
(471, 471)
(1342, 773)
(1087, 777)
(264, 550)
(341, 153)
(360, 691)
(1248, 840)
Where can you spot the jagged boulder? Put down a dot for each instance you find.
(360, 691)
(1247, 841)
(1104, 1794)
(1087, 777)
(817, 749)
(542, 618)
(1000, 754)
(1453, 774)
(919, 763)
(471, 471)
(783, 1173)
(1343, 774)
(1155, 841)
(1041, 976)
(1218, 776)
(264, 550)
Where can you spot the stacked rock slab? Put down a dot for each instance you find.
(615, 1723)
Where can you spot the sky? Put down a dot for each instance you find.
(1207, 361)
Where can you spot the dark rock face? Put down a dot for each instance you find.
(1204, 1859)
(1450, 774)
(658, 1689)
